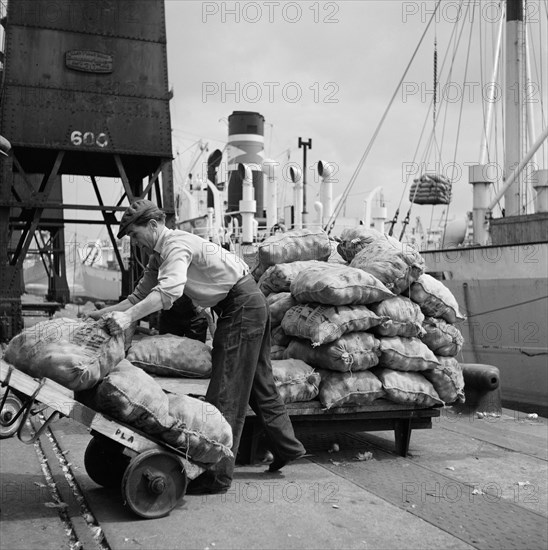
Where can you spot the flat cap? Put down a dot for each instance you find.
(141, 210)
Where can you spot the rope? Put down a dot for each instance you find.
(331, 222)
(460, 110)
(428, 146)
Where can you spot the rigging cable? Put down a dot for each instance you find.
(331, 222)
(432, 135)
(460, 118)
(396, 215)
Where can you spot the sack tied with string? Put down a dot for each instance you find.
(405, 318)
(442, 338)
(410, 388)
(277, 278)
(406, 354)
(132, 396)
(323, 324)
(435, 299)
(448, 380)
(355, 351)
(295, 380)
(338, 285)
(170, 355)
(395, 264)
(76, 354)
(278, 304)
(291, 246)
(349, 388)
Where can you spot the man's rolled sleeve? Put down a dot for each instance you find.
(147, 282)
(172, 274)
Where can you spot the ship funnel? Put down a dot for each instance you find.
(326, 171)
(247, 204)
(296, 175)
(269, 170)
(539, 180)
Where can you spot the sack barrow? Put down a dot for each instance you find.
(153, 476)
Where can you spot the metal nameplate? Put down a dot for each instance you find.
(89, 61)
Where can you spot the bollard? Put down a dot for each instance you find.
(481, 388)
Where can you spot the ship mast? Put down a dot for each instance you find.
(514, 103)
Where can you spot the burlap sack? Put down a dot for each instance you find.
(435, 299)
(441, 337)
(279, 303)
(202, 432)
(295, 380)
(355, 351)
(349, 388)
(73, 353)
(169, 355)
(277, 278)
(277, 352)
(405, 318)
(291, 246)
(395, 264)
(132, 396)
(410, 388)
(278, 337)
(323, 324)
(447, 380)
(353, 239)
(338, 285)
(407, 354)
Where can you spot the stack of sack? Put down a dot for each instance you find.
(430, 189)
(375, 327)
(291, 246)
(85, 358)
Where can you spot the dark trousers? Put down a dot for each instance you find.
(242, 374)
(182, 320)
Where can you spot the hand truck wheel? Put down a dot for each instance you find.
(11, 408)
(153, 483)
(105, 462)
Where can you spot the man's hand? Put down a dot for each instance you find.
(117, 322)
(94, 315)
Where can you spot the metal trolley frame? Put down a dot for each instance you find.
(152, 475)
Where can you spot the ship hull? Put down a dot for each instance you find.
(503, 291)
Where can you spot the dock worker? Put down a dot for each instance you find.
(212, 277)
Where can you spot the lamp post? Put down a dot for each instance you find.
(305, 145)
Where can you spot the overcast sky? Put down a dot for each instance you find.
(326, 71)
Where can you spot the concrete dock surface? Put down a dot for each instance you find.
(467, 483)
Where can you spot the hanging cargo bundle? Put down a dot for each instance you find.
(430, 189)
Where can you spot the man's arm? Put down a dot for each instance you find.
(119, 320)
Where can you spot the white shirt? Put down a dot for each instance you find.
(183, 262)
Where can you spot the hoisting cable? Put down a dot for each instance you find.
(396, 215)
(460, 118)
(455, 49)
(331, 222)
(432, 140)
